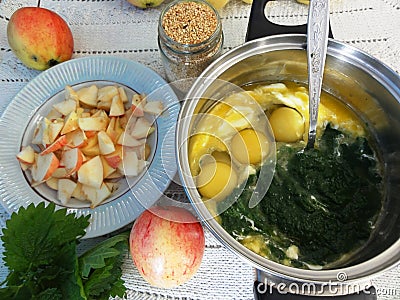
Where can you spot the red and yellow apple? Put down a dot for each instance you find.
(39, 37)
(167, 245)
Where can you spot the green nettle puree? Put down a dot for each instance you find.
(322, 203)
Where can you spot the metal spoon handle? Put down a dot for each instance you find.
(317, 44)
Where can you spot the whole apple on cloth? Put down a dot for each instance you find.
(167, 245)
(39, 37)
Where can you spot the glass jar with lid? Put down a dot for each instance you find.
(190, 37)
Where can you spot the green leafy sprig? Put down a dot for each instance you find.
(40, 253)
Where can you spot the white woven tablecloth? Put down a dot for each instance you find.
(116, 28)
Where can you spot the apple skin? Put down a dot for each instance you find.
(167, 245)
(145, 3)
(39, 37)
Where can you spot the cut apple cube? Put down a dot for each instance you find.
(117, 107)
(60, 172)
(56, 145)
(26, 155)
(72, 160)
(122, 94)
(154, 108)
(44, 167)
(107, 169)
(116, 175)
(104, 105)
(93, 123)
(128, 140)
(41, 134)
(55, 128)
(91, 172)
(130, 164)
(114, 159)
(76, 138)
(101, 194)
(92, 147)
(88, 95)
(65, 190)
(141, 129)
(71, 94)
(107, 93)
(65, 107)
(138, 103)
(106, 145)
(114, 129)
(78, 192)
(71, 123)
(52, 183)
(54, 114)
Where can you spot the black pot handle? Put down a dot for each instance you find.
(259, 26)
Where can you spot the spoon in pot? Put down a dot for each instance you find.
(317, 44)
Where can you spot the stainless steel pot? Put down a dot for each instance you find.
(365, 84)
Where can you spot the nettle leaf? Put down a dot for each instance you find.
(105, 281)
(40, 252)
(50, 294)
(96, 257)
(33, 235)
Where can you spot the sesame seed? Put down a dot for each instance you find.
(189, 23)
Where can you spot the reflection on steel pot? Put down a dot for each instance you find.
(361, 82)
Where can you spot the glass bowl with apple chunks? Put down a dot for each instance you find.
(89, 144)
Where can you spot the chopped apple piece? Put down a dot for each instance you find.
(70, 93)
(55, 128)
(116, 175)
(141, 129)
(44, 167)
(53, 114)
(91, 172)
(41, 135)
(130, 164)
(106, 145)
(101, 194)
(92, 147)
(65, 190)
(24, 166)
(107, 169)
(138, 103)
(107, 93)
(117, 107)
(88, 95)
(72, 160)
(78, 192)
(122, 94)
(76, 138)
(93, 123)
(90, 133)
(127, 140)
(114, 129)
(52, 183)
(60, 172)
(104, 105)
(114, 159)
(65, 107)
(56, 145)
(154, 107)
(71, 123)
(26, 155)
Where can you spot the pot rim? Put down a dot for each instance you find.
(356, 274)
